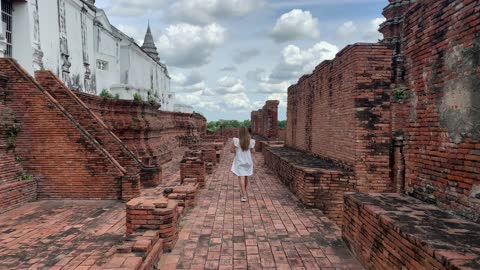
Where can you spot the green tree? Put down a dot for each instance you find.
(215, 125)
(282, 124)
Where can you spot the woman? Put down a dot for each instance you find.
(243, 164)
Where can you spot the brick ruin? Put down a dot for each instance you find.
(60, 144)
(384, 139)
(339, 115)
(442, 145)
(397, 124)
(265, 121)
(152, 220)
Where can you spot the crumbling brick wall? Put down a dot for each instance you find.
(201, 123)
(64, 159)
(15, 186)
(264, 122)
(150, 175)
(341, 112)
(150, 133)
(442, 50)
(255, 121)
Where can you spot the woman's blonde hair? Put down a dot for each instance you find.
(244, 139)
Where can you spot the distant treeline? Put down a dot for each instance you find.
(215, 125)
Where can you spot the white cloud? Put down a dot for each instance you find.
(186, 45)
(274, 87)
(230, 85)
(294, 25)
(133, 8)
(199, 101)
(257, 75)
(228, 94)
(194, 82)
(366, 31)
(207, 11)
(228, 69)
(295, 61)
(238, 101)
(372, 34)
(131, 32)
(244, 56)
(347, 29)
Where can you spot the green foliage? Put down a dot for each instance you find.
(215, 125)
(282, 124)
(399, 93)
(18, 158)
(106, 94)
(152, 100)
(137, 97)
(117, 96)
(11, 127)
(25, 177)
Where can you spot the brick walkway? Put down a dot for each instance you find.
(68, 234)
(271, 231)
(60, 234)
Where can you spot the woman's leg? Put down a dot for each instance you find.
(240, 185)
(246, 185)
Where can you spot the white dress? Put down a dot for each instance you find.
(243, 163)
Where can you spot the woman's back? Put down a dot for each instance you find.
(243, 163)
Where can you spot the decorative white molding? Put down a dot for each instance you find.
(37, 50)
(64, 44)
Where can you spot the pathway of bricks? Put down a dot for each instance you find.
(61, 234)
(68, 234)
(271, 231)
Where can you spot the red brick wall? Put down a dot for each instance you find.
(394, 231)
(62, 156)
(98, 129)
(13, 192)
(16, 194)
(342, 112)
(315, 187)
(149, 133)
(442, 51)
(201, 123)
(10, 169)
(265, 121)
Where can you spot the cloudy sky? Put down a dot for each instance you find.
(226, 57)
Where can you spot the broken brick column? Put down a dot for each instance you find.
(264, 122)
(270, 119)
(159, 214)
(193, 167)
(391, 29)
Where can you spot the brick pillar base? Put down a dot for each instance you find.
(130, 187)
